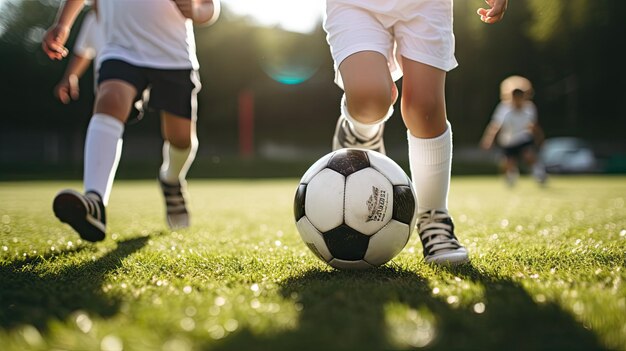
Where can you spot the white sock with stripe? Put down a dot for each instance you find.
(176, 162)
(103, 148)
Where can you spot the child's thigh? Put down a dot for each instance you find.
(355, 33)
(423, 83)
(175, 91)
(366, 71)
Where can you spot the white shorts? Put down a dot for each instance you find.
(419, 30)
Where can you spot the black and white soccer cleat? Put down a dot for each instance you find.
(441, 246)
(345, 137)
(175, 204)
(84, 213)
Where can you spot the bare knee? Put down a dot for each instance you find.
(424, 114)
(421, 106)
(369, 104)
(369, 88)
(423, 99)
(180, 138)
(180, 142)
(115, 99)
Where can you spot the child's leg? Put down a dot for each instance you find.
(367, 102)
(179, 151)
(86, 213)
(511, 169)
(430, 136)
(369, 90)
(430, 157)
(174, 92)
(538, 169)
(362, 47)
(103, 144)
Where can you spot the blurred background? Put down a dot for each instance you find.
(268, 105)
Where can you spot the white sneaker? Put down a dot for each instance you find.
(345, 137)
(441, 246)
(175, 204)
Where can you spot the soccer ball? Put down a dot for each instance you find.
(355, 208)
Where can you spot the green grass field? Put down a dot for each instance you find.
(548, 272)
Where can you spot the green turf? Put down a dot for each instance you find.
(548, 272)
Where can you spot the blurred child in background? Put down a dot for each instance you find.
(515, 128)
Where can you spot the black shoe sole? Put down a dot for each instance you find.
(70, 209)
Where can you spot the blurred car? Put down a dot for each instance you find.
(568, 155)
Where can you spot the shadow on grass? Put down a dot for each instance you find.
(31, 297)
(346, 310)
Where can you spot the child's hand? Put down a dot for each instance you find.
(53, 42)
(495, 13)
(67, 89)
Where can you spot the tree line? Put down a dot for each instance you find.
(570, 50)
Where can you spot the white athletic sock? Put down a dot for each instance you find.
(430, 161)
(103, 148)
(364, 130)
(176, 162)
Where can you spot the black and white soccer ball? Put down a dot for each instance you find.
(355, 208)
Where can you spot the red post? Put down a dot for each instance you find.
(246, 123)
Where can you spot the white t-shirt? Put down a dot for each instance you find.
(515, 124)
(90, 40)
(147, 33)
